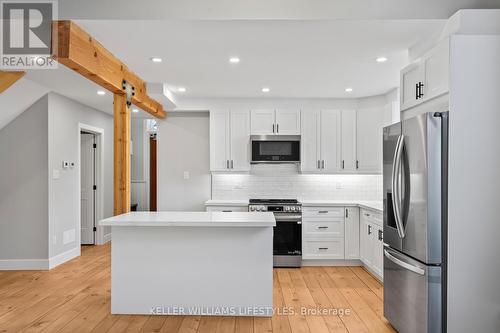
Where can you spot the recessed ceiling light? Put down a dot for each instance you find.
(135, 110)
(266, 90)
(348, 89)
(156, 59)
(181, 89)
(381, 59)
(234, 60)
(101, 92)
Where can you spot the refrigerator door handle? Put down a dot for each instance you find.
(399, 262)
(396, 185)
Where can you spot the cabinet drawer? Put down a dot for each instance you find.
(323, 212)
(227, 208)
(324, 228)
(373, 217)
(332, 248)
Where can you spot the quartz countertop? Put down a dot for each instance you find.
(373, 205)
(226, 203)
(191, 219)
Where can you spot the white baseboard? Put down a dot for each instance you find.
(331, 262)
(63, 257)
(24, 264)
(106, 238)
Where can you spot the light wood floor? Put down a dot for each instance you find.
(75, 297)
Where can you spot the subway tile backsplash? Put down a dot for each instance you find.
(285, 181)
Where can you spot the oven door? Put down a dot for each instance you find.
(280, 150)
(287, 239)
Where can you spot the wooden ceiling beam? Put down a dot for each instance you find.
(76, 49)
(9, 78)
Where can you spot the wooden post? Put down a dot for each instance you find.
(9, 78)
(121, 154)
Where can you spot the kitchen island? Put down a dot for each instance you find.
(192, 263)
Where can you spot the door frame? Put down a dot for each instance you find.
(99, 177)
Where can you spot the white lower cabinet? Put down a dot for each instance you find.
(323, 233)
(351, 227)
(371, 241)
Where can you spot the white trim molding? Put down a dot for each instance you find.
(24, 264)
(64, 257)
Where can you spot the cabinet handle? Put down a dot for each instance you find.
(273, 128)
(318, 165)
(369, 229)
(346, 212)
(380, 235)
(416, 90)
(321, 227)
(277, 128)
(227, 211)
(232, 164)
(420, 90)
(322, 248)
(343, 164)
(227, 164)
(323, 212)
(322, 164)
(357, 164)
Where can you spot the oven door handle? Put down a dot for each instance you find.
(288, 218)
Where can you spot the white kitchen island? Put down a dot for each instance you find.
(192, 263)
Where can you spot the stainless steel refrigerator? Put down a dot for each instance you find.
(415, 205)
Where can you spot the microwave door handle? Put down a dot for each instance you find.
(396, 202)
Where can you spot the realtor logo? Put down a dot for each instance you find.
(27, 34)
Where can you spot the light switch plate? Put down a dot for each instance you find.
(56, 174)
(186, 175)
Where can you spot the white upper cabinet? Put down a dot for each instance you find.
(320, 141)
(348, 151)
(263, 122)
(229, 140)
(275, 122)
(330, 141)
(427, 78)
(369, 140)
(287, 122)
(309, 142)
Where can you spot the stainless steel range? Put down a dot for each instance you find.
(287, 241)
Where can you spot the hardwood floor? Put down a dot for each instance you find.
(75, 297)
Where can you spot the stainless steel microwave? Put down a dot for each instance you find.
(275, 148)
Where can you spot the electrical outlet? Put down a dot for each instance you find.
(186, 175)
(56, 174)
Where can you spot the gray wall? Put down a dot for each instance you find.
(24, 186)
(64, 117)
(183, 145)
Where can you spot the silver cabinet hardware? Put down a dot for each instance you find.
(369, 229)
(273, 128)
(322, 248)
(357, 164)
(227, 211)
(277, 128)
(322, 164)
(343, 164)
(380, 235)
(318, 165)
(232, 164)
(227, 164)
(346, 212)
(321, 227)
(323, 212)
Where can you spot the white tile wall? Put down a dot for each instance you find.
(284, 181)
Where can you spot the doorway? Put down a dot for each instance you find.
(88, 188)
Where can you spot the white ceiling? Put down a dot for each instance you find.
(294, 58)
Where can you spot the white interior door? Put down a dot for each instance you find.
(87, 172)
(288, 122)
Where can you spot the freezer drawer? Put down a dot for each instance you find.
(412, 294)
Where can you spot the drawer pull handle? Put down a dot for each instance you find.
(227, 211)
(323, 212)
(322, 227)
(322, 248)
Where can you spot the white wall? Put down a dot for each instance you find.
(139, 168)
(64, 215)
(24, 188)
(183, 145)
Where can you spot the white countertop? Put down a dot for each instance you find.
(373, 205)
(191, 219)
(226, 203)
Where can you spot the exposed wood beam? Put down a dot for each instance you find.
(76, 49)
(121, 150)
(9, 78)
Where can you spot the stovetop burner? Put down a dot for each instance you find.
(273, 201)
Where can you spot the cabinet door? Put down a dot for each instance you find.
(436, 64)
(410, 77)
(263, 122)
(378, 248)
(369, 139)
(309, 143)
(364, 241)
(348, 160)
(351, 233)
(288, 122)
(240, 141)
(219, 140)
(330, 141)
